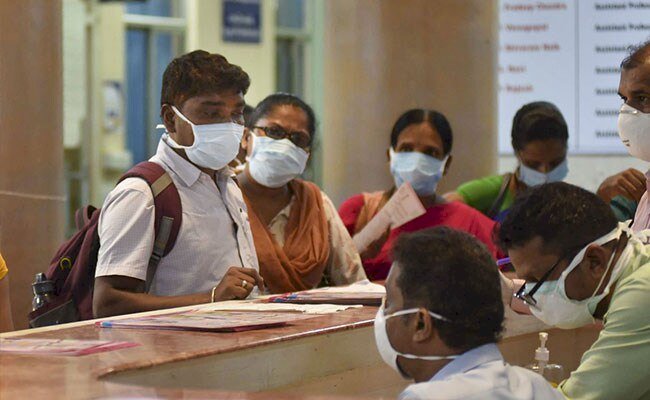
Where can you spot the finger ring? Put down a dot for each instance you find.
(244, 284)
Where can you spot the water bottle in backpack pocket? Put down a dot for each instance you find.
(71, 274)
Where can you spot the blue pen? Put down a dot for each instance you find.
(503, 261)
(284, 299)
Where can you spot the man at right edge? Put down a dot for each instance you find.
(603, 370)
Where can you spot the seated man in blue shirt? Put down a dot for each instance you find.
(440, 329)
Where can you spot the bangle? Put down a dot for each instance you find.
(212, 294)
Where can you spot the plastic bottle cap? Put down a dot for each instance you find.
(542, 353)
(42, 285)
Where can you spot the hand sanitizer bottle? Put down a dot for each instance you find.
(553, 373)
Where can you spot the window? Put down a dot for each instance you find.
(293, 37)
(299, 61)
(155, 34)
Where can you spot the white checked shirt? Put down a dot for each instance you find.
(214, 235)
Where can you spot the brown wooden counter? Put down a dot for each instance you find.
(328, 355)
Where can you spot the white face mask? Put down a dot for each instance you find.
(215, 145)
(532, 177)
(634, 130)
(421, 171)
(273, 163)
(386, 350)
(555, 308)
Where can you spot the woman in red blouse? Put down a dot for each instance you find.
(420, 154)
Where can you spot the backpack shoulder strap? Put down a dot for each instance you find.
(83, 215)
(168, 208)
(498, 201)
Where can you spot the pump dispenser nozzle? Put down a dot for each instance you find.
(542, 353)
(553, 373)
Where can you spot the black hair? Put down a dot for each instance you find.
(199, 72)
(271, 102)
(248, 111)
(637, 56)
(539, 120)
(440, 261)
(417, 116)
(564, 216)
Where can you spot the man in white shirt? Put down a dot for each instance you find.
(213, 257)
(440, 329)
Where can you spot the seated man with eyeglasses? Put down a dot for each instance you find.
(579, 265)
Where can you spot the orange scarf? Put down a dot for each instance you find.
(300, 264)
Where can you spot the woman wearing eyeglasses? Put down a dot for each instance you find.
(300, 240)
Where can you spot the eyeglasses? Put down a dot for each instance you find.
(528, 297)
(299, 138)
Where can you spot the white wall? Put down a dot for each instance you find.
(204, 32)
(74, 71)
(587, 171)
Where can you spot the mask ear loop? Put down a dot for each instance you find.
(171, 141)
(413, 311)
(168, 139)
(441, 171)
(614, 234)
(181, 116)
(412, 356)
(609, 265)
(251, 142)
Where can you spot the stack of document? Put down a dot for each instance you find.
(208, 321)
(60, 347)
(238, 305)
(360, 293)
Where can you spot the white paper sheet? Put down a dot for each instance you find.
(403, 206)
(364, 286)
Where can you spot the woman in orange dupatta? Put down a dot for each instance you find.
(301, 241)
